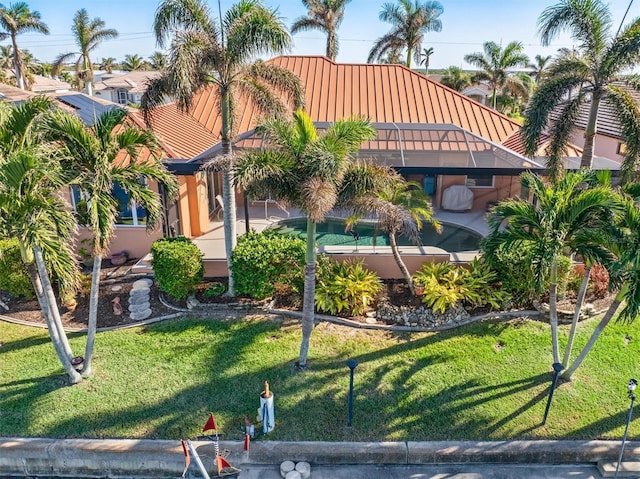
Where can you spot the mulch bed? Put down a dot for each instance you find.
(111, 277)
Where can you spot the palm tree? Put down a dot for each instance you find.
(539, 67)
(410, 20)
(88, 36)
(32, 211)
(158, 61)
(626, 273)
(495, 62)
(516, 92)
(202, 55)
(107, 64)
(392, 57)
(70, 78)
(456, 78)
(426, 56)
(400, 207)
(15, 19)
(586, 78)
(323, 15)
(133, 62)
(91, 158)
(314, 173)
(572, 215)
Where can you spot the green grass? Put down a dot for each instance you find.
(484, 381)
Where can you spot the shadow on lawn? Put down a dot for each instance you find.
(310, 405)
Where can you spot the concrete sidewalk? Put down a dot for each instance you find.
(83, 458)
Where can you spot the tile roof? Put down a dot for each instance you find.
(382, 93)
(514, 143)
(608, 123)
(135, 81)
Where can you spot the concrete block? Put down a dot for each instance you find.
(142, 283)
(627, 469)
(286, 467)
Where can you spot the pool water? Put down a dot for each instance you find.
(332, 232)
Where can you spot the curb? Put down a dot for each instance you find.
(165, 459)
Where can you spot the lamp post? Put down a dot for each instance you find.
(557, 369)
(351, 364)
(632, 397)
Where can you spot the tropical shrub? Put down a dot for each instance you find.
(261, 260)
(565, 269)
(445, 285)
(177, 265)
(598, 282)
(13, 273)
(347, 287)
(215, 289)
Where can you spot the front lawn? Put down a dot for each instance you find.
(485, 381)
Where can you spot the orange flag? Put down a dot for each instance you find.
(187, 458)
(222, 463)
(211, 424)
(247, 440)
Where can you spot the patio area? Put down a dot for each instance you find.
(263, 214)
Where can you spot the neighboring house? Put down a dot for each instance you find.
(49, 85)
(609, 141)
(124, 88)
(480, 92)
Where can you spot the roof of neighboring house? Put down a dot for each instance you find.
(382, 93)
(44, 85)
(134, 82)
(14, 94)
(88, 108)
(608, 123)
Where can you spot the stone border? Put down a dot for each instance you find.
(390, 327)
(86, 458)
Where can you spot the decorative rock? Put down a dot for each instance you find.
(116, 288)
(370, 320)
(286, 467)
(138, 316)
(370, 314)
(293, 475)
(192, 302)
(139, 293)
(137, 307)
(142, 283)
(304, 469)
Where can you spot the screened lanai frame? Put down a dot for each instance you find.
(444, 148)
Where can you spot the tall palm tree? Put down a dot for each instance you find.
(15, 19)
(538, 68)
(202, 54)
(625, 273)
(410, 21)
(314, 173)
(392, 57)
(516, 92)
(494, 63)
(323, 15)
(456, 78)
(158, 61)
(400, 208)
(92, 158)
(32, 211)
(133, 62)
(425, 57)
(572, 215)
(107, 64)
(88, 36)
(587, 78)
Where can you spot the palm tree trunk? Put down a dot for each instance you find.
(576, 314)
(18, 63)
(590, 132)
(308, 304)
(93, 315)
(88, 80)
(553, 311)
(594, 336)
(54, 311)
(331, 45)
(228, 192)
(403, 268)
(409, 55)
(54, 331)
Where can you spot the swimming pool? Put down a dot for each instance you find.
(453, 238)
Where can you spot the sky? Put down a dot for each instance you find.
(466, 25)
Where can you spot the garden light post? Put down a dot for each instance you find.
(351, 363)
(557, 369)
(631, 387)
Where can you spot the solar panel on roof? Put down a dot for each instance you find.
(87, 109)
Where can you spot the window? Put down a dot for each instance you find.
(622, 149)
(123, 98)
(479, 181)
(128, 213)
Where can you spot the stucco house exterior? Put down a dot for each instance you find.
(123, 88)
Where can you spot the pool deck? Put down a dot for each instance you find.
(260, 217)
